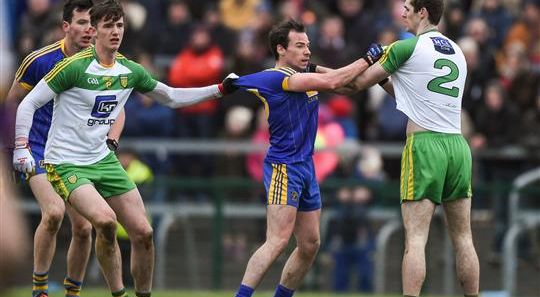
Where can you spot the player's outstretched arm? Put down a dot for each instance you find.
(334, 79)
(39, 96)
(180, 97)
(375, 74)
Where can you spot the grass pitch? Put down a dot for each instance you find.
(89, 292)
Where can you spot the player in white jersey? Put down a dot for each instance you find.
(90, 88)
(428, 75)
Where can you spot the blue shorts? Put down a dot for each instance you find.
(292, 184)
(38, 152)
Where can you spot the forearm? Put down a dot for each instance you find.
(118, 126)
(389, 88)
(39, 96)
(344, 75)
(180, 97)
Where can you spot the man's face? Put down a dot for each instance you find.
(410, 18)
(110, 33)
(297, 53)
(79, 30)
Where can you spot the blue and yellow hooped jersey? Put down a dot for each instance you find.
(292, 116)
(33, 68)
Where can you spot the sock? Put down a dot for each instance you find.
(281, 291)
(120, 293)
(476, 295)
(40, 283)
(73, 287)
(244, 291)
(140, 294)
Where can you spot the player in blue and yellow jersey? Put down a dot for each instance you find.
(76, 25)
(291, 103)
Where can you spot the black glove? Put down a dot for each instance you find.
(112, 144)
(227, 85)
(374, 53)
(311, 67)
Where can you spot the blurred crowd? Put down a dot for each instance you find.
(195, 43)
(192, 43)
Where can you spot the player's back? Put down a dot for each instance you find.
(428, 75)
(292, 116)
(32, 69)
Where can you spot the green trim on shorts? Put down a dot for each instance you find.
(106, 175)
(435, 166)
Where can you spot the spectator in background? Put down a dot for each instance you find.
(224, 37)
(356, 19)
(145, 115)
(237, 128)
(172, 38)
(238, 14)
(497, 18)
(477, 76)
(478, 30)
(330, 47)
(134, 32)
(351, 240)
(454, 17)
(530, 124)
(517, 76)
(35, 22)
(526, 31)
(329, 136)
(343, 109)
(199, 64)
(494, 119)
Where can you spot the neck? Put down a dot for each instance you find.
(284, 64)
(105, 56)
(424, 27)
(70, 47)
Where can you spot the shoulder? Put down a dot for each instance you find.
(38, 57)
(74, 63)
(270, 78)
(129, 64)
(398, 53)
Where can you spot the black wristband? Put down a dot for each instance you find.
(368, 59)
(311, 67)
(384, 81)
(112, 144)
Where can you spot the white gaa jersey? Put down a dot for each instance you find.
(89, 98)
(428, 75)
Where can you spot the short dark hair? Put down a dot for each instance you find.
(106, 10)
(435, 9)
(72, 5)
(280, 34)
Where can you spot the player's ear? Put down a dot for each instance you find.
(65, 26)
(281, 50)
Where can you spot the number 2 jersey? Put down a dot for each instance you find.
(428, 75)
(292, 116)
(89, 98)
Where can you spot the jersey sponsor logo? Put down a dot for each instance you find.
(93, 122)
(92, 81)
(103, 106)
(123, 81)
(41, 163)
(108, 81)
(442, 45)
